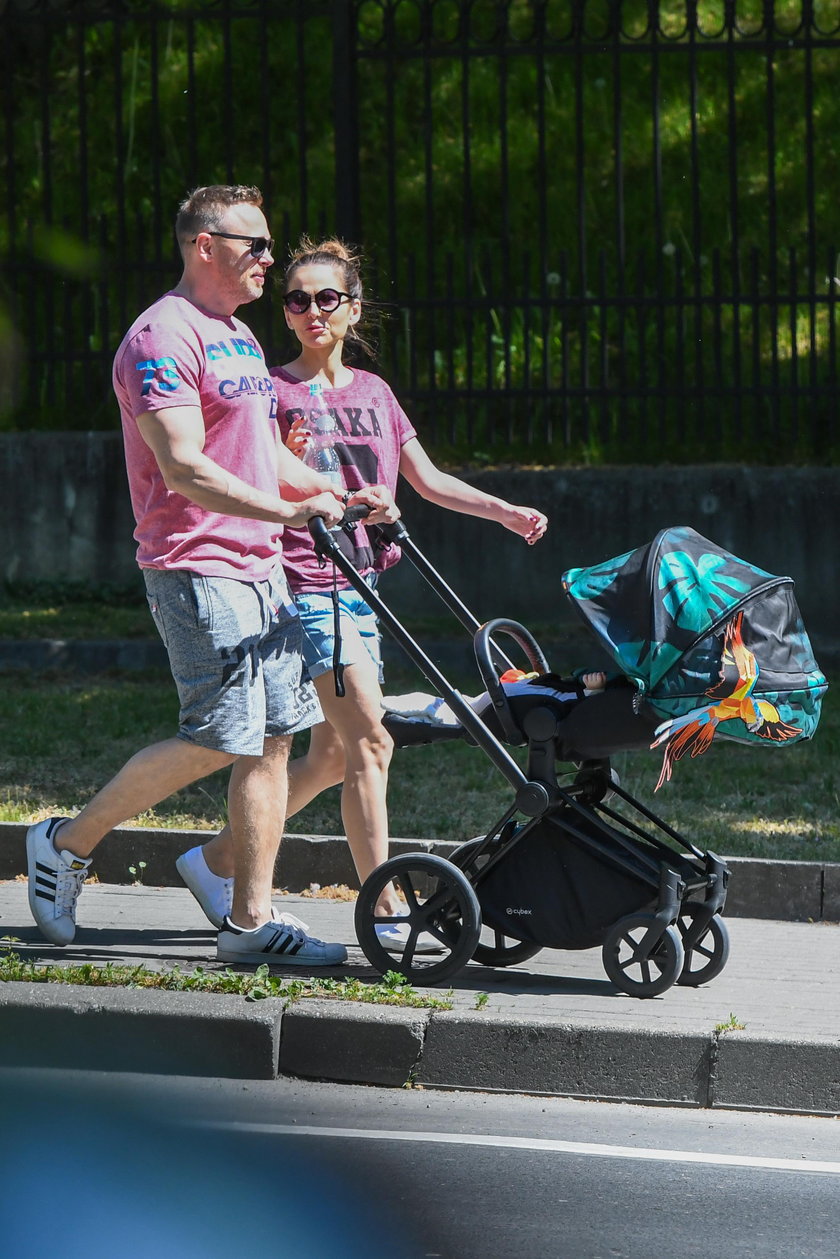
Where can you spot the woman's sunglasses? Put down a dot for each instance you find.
(327, 300)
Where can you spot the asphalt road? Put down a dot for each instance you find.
(154, 1167)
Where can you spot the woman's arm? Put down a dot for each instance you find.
(456, 495)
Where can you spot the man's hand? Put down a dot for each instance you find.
(326, 505)
(380, 500)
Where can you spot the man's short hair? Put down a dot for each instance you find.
(203, 210)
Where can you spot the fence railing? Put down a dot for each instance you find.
(599, 231)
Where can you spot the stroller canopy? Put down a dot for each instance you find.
(716, 645)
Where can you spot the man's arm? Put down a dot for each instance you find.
(175, 435)
(298, 480)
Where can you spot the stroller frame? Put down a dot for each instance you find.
(679, 937)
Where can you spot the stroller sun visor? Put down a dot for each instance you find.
(716, 645)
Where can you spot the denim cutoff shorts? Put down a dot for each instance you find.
(359, 625)
(235, 653)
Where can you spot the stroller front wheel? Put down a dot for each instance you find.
(639, 965)
(708, 956)
(436, 934)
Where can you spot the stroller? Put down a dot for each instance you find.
(705, 645)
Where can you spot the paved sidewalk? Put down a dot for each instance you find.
(553, 1025)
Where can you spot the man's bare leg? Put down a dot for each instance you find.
(147, 778)
(321, 766)
(257, 799)
(58, 852)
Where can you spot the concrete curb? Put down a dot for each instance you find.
(352, 1044)
(142, 655)
(143, 1030)
(768, 1073)
(58, 655)
(520, 1055)
(792, 891)
(210, 1035)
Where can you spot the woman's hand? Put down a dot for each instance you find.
(380, 500)
(297, 437)
(529, 523)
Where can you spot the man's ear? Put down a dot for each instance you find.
(204, 245)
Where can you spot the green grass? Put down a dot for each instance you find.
(67, 612)
(61, 738)
(392, 989)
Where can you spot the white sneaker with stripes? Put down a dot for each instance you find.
(277, 943)
(55, 881)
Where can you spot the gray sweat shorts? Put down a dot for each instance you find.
(235, 653)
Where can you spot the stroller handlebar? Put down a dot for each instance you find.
(483, 644)
(322, 535)
(395, 532)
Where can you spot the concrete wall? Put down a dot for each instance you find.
(64, 513)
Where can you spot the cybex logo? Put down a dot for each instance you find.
(510, 910)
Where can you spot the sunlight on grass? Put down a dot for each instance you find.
(71, 618)
(795, 827)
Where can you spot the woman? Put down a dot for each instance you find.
(323, 308)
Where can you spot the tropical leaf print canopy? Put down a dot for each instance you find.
(715, 644)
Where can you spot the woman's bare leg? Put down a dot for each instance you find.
(356, 720)
(351, 746)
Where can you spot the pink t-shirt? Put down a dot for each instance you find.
(372, 430)
(178, 355)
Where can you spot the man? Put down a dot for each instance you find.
(206, 471)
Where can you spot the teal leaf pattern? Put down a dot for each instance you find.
(695, 593)
(665, 656)
(589, 583)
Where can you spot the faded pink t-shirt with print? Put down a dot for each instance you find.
(372, 429)
(178, 355)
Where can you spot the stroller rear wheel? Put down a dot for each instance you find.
(706, 958)
(636, 965)
(441, 913)
(494, 947)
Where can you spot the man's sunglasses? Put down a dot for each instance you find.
(327, 300)
(259, 244)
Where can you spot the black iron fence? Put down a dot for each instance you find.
(598, 229)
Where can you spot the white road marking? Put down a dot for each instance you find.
(588, 1149)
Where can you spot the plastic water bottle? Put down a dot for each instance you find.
(320, 454)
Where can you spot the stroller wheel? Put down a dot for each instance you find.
(504, 951)
(638, 966)
(706, 958)
(440, 925)
(494, 947)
